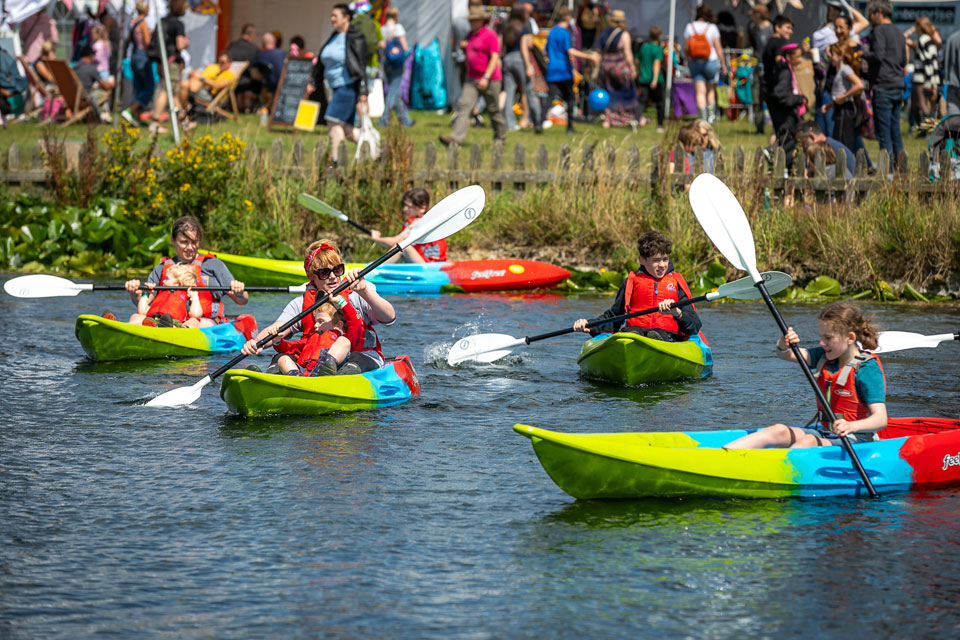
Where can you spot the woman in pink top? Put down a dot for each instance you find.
(482, 48)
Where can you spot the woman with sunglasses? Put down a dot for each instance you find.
(363, 309)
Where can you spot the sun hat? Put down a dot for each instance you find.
(478, 13)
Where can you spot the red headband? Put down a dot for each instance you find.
(313, 255)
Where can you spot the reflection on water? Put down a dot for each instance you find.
(433, 519)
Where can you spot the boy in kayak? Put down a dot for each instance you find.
(415, 204)
(364, 309)
(654, 284)
(171, 308)
(319, 354)
(852, 381)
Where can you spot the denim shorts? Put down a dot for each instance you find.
(343, 105)
(704, 70)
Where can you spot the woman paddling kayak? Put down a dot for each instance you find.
(187, 235)
(362, 309)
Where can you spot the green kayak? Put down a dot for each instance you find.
(251, 393)
(631, 359)
(105, 340)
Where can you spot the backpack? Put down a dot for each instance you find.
(10, 78)
(395, 59)
(698, 47)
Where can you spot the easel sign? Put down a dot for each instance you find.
(291, 89)
(308, 112)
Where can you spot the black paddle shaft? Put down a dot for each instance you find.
(304, 313)
(120, 287)
(614, 319)
(816, 389)
(359, 227)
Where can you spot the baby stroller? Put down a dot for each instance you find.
(945, 137)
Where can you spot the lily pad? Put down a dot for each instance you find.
(823, 286)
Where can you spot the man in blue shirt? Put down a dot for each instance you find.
(808, 132)
(560, 54)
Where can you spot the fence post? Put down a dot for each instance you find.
(655, 172)
(429, 166)
(276, 154)
(519, 166)
(13, 157)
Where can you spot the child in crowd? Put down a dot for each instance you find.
(415, 204)
(319, 354)
(171, 308)
(101, 56)
(852, 381)
(786, 103)
(363, 309)
(654, 284)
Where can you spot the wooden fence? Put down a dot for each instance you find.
(500, 170)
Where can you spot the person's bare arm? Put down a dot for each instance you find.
(656, 73)
(488, 73)
(526, 41)
(627, 51)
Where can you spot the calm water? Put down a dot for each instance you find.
(434, 519)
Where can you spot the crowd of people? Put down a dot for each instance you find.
(854, 77)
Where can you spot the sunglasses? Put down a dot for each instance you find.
(325, 272)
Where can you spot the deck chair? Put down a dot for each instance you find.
(217, 105)
(76, 97)
(37, 88)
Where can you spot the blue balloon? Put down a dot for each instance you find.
(599, 99)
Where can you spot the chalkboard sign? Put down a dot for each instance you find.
(291, 89)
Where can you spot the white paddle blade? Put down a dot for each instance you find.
(181, 396)
(745, 289)
(43, 286)
(723, 220)
(482, 347)
(319, 206)
(889, 341)
(448, 216)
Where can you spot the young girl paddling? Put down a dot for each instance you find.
(363, 309)
(852, 381)
(415, 204)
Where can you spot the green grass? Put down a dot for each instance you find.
(429, 126)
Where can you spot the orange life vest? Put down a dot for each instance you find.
(171, 302)
(206, 297)
(361, 336)
(432, 251)
(840, 389)
(307, 352)
(644, 291)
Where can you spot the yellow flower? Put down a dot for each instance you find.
(184, 186)
(248, 203)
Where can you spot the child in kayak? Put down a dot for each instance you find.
(415, 204)
(364, 308)
(654, 284)
(319, 354)
(187, 236)
(852, 381)
(171, 308)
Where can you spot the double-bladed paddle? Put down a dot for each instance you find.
(488, 347)
(723, 220)
(889, 341)
(317, 205)
(445, 218)
(45, 286)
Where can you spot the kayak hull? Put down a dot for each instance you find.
(411, 278)
(249, 393)
(913, 454)
(108, 340)
(632, 359)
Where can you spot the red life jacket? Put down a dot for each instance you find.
(171, 302)
(840, 390)
(206, 297)
(644, 291)
(307, 352)
(432, 251)
(361, 336)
